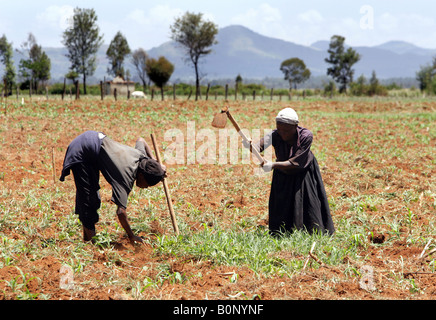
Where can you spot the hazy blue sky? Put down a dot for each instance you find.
(146, 23)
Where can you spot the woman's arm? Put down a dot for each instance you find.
(146, 147)
(285, 166)
(122, 217)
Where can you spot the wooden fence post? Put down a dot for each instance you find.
(77, 90)
(207, 91)
(63, 90)
(6, 94)
(105, 86)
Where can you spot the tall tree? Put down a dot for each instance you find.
(116, 53)
(41, 66)
(139, 59)
(83, 40)
(238, 79)
(425, 77)
(295, 71)
(37, 65)
(374, 84)
(196, 36)
(341, 62)
(6, 58)
(159, 71)
(24, 71)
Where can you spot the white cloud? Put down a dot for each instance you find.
(269, 14)
(58, 17)
(411, 27)
(264, 14)
(143, 26)
(414, 22)
(264, 19)
(387, 22)
(137, 16)
(156, 17)
(311, 16)
(155, 24)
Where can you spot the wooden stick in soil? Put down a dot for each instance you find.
(167, 192)
(53, 164)
(425, 248)
(429, 253)
(309, 255)
(314, 257)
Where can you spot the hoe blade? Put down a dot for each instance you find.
(220, 119)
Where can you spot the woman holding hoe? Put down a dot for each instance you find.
(297, 199)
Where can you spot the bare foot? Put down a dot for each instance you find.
(88, 234)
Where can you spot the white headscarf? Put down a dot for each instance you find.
(287, 115)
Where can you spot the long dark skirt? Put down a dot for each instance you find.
(299, 201)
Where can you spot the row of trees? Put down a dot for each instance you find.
(83, 39)
(340, 60)
(196, 36)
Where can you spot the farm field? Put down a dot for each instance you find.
(377, 159)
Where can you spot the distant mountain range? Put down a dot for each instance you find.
(254, 56)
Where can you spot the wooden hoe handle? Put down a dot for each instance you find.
(238, 129)
(167, 191)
